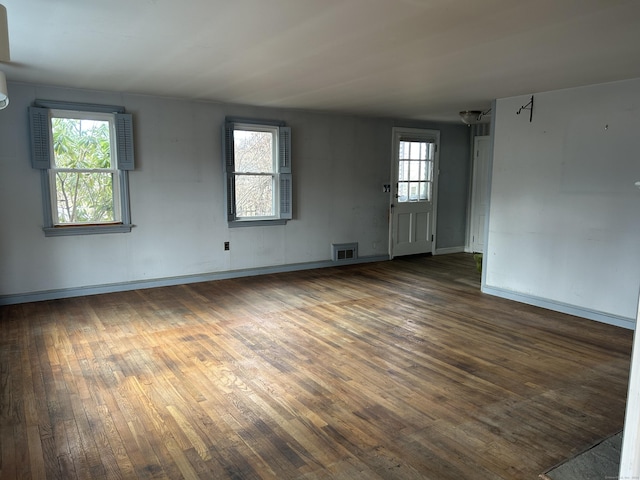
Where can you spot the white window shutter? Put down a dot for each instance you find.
(124, 141)
(40, 137)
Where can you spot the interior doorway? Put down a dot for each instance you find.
(479, 193)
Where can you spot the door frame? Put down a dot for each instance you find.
(473, 187)
(395, 134)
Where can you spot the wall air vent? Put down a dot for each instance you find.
(341, 252)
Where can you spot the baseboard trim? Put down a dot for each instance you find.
(14, 299)
(561, 307)
(448, 250)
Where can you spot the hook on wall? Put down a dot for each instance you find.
(528, 106)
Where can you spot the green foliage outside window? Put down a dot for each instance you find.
(84, 171)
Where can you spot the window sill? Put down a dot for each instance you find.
(85, 230)
(257, 223)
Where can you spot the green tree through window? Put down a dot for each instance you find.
(84, 153)
(84, 171)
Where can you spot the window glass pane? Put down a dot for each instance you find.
(410, 150)
(414, 191)
(85, 197)
(431, 150)
(403, 151)
(403, 191)
(253, 151)
(403, 170)
(80, 143)
(423, 151)
(254, 196)
(423, 190)
(426, 171)
(417, 149)
(415, 168)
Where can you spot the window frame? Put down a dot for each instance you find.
(42, 158)
(273, 174)
(425, 167)
(281, 175)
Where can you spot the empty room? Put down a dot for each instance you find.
(351, 239)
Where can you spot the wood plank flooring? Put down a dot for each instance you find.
(390, 370)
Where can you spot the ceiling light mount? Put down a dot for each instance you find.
(471, 117)
(4, 95)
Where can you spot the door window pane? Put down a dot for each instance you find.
(423, 190)
(413, 191)
(427, 171)
(403, 191)
(415, 167)
(403, 173)
(403, 151)
(415, 170)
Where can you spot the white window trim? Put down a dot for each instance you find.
(274, 173)
(42, 159)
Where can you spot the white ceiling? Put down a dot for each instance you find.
(424, 59)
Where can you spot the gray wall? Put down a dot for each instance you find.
(564, 224)
(340, 163)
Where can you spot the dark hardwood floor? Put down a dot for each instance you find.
(391, 370)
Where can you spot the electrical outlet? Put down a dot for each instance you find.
(226, 245)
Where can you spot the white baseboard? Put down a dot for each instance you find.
(618, 321)
(171, 281)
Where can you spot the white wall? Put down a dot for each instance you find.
(339, 165)
(564, 224)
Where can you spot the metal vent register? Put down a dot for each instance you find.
(341, 252)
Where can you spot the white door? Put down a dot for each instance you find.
(479, 192)
(413, 191)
